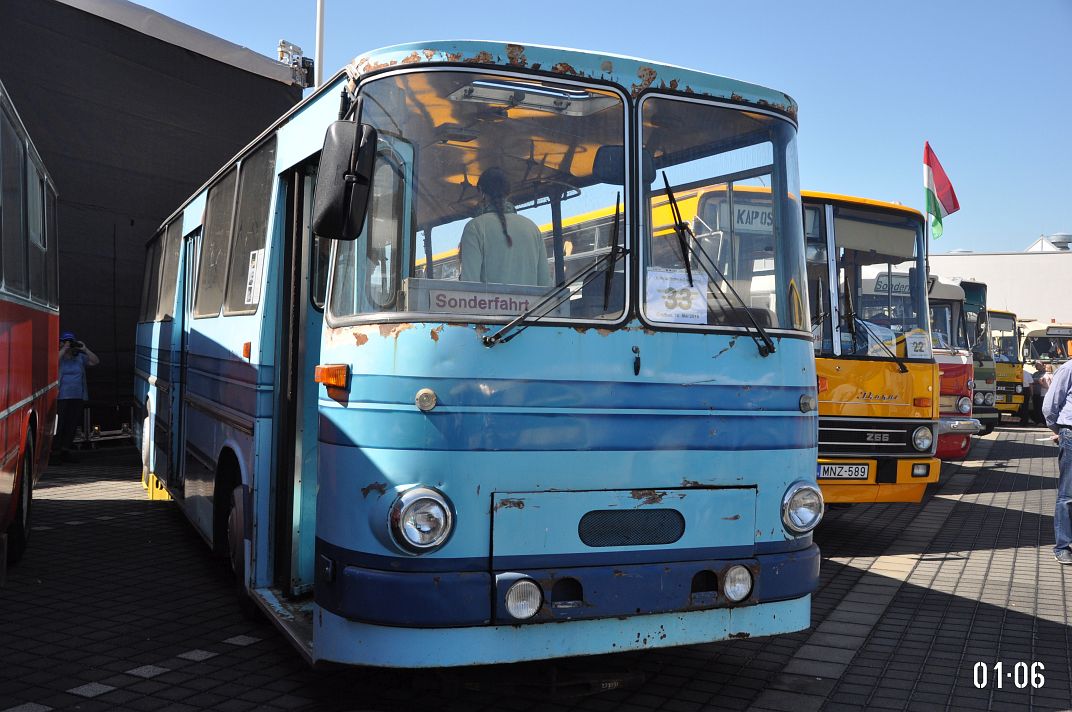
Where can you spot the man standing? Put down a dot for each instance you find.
(1057, 408)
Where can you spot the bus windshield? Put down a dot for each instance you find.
(478, 178)
(946, 329)
(978, 329)
(882, 298)
(1003, 338)
(732, 174)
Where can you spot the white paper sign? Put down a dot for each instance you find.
(253, 277)
(918, 344)
(669, 298)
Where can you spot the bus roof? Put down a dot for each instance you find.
(835, 197)
(636, 75)
(1001, 312)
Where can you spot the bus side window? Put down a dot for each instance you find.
(169, 270)
(12, 155)
(149, 287)
(52, 247)
(215, 246)
(35, 225)
(246, 270)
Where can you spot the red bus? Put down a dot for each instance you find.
(29, 323)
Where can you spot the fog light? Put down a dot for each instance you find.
(1019, 389)
(964, 405)
(922, 437)
(737, 583)
(990, 399)
(802, 507)
(978, 399)
(921, 470)
(523, 599)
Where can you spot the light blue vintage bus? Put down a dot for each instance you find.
(505, 460)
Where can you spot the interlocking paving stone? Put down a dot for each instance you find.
(912, 597)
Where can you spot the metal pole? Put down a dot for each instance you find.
(319, 59)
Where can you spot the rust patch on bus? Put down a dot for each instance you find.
(734, 518)
(516, 54)
(482, 57)
(690, 483)
(564, 68)
(388, 330)
(510, 504)
(360, 339)
(646, 75)
(604, 332)
(411, 58)
(647, 496)
(740, 635)
(378, 487)
(436, 332)
(607, 67)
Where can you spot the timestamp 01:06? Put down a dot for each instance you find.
(1019, 674)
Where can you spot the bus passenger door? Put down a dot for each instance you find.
(190, 250)
(304, 278)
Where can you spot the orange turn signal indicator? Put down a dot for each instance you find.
(823, 383)
(247, 350)
(333, 375)
(921, 402)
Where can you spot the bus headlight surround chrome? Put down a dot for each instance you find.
(989, 399)
(964, 405)
(922, 438)
(737, 583)
(421, 519)
(802, 507)
(523, 599)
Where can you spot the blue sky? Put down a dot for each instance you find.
(988, 83)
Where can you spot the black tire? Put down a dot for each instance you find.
(18, 532)
(236, 557)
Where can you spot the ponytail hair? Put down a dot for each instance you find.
(495, 186)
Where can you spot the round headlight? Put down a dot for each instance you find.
(964, 405)
(802, 507)
(421, 519)
(979, 398)
(737, 583)
(989, 399)
(922, 437)
(523, 599)
(1019, 389)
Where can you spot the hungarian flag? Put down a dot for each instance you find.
(938, 191)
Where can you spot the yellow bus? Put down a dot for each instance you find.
(1005, 340)
(878, 380)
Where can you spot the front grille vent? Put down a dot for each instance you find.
(868, 437)
(633, 527)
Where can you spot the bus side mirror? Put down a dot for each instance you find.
(344, 180)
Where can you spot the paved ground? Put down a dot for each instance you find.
(118, 605)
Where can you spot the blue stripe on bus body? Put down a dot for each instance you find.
(447, 599)
(344, 557)
(530, 393)
(492, 431)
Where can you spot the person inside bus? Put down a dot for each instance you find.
(75, 357)
(498, 245)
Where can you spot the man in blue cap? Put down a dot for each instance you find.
(75, 356)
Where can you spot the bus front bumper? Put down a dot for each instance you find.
(888, 479)
(445, 599)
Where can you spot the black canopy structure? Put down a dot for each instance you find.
(132, 112)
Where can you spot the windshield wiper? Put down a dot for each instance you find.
(867, 327)
(614, 249)
(764, 343)
(525, 319)
(818, 318)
